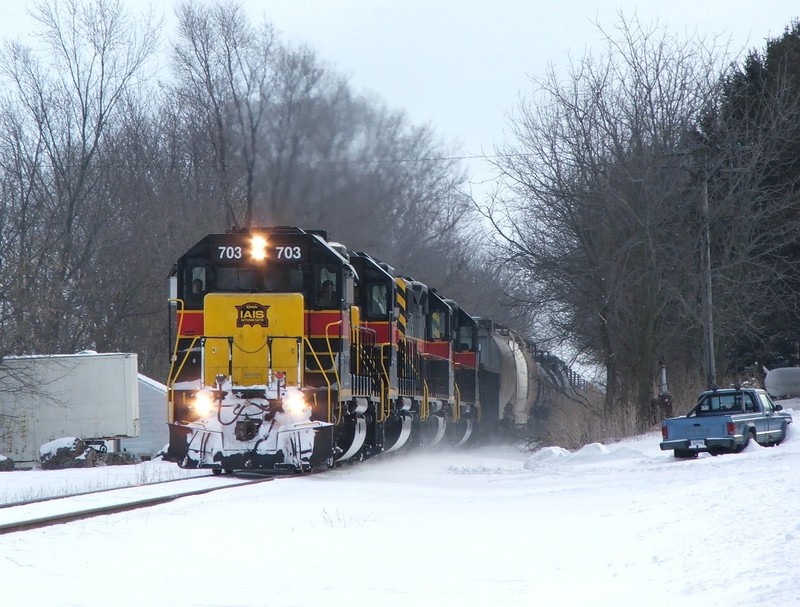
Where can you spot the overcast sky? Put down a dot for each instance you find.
(461, 65)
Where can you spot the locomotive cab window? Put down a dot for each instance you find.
(237, 279)
(377, 299)
(195, 285)
(438, 327)
(284, 280)
(466, 339)
(327, 293)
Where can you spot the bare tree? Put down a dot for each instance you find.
(224, 71)
(61, 104)
(598, 218)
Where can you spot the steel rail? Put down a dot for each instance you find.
(37, 522)
(51, 498)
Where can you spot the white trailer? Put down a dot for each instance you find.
(89, 395)
(154, 432)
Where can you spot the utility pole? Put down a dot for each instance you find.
(708, 318)
(664, 397)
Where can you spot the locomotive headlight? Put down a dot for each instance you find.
(294, 403)
(203, 404)
(258, 250)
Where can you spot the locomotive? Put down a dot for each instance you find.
(291, 353)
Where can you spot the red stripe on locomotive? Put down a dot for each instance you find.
(382, 331)
(438, 348)
(466, 359)
(318, 322)
(190, 323)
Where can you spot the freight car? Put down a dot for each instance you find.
(289, 352)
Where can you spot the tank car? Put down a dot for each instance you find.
(509, 378)
(289, 352)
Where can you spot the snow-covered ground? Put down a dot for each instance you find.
(622, 524)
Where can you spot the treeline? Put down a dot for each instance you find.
(619, 180)
(624, 176)
(110, 169)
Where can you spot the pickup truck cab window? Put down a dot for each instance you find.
(766, 403)
(715, 404)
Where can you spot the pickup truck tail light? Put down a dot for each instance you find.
(731, 428)
(664, 431)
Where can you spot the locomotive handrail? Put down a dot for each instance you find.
(330, 352)
(383, 364)
(196, 338)
(380, 413)
(363, 384)
(409, 359)
(436, 356)
(174, 356)
(298, 342)
(172, 379)
(355, 340)
(384, 408)
(456, 403)
(325, 375)
(203, 339)
(424, 407)
(386, 385)
(174, 373)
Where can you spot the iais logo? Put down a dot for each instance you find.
(252, 313)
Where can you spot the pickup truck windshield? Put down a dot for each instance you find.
(720, 404)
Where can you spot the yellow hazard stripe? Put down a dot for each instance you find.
(401, 303)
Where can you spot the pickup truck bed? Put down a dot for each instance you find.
(725, 421)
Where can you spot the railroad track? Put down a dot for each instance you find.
(55, 511)
(64, 495)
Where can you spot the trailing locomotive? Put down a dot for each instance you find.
(291, 353)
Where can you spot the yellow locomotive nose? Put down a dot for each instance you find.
(250, 334)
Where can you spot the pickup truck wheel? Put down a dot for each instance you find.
(751, 436)
(684, 453)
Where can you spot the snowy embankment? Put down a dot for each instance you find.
(622, 524)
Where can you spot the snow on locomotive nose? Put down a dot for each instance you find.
(244, 427)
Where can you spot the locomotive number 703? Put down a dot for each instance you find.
(289, 252)
(230, 252)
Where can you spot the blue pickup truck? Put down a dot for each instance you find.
(725, 421)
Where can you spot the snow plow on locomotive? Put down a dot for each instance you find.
(290, 353)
